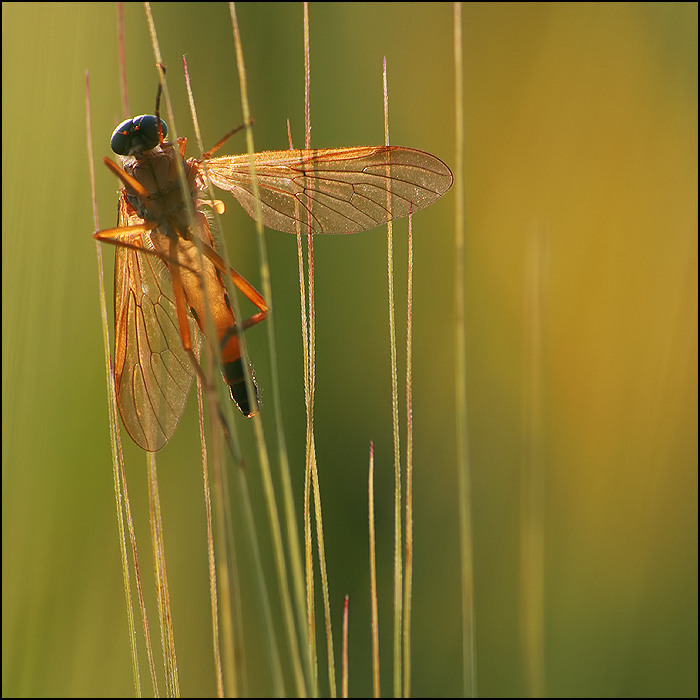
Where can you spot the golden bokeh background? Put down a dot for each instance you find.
(581, 132)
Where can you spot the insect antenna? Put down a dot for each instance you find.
(222, 141)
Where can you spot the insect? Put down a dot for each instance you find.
(168, 276)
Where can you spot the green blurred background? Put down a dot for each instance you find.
(581, 122)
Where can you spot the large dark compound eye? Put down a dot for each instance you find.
(137, 134)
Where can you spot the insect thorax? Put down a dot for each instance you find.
(157, 171)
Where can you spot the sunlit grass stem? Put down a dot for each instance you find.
(172, 683)
(211, 555)
(532, 471)
(345, 665)
(408, 553)
(312, 485)
(374, 603)
(463, 467)
(398, 544)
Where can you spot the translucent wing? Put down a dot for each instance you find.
(338, 190)
(152, 371)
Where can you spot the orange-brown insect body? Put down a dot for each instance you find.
(173, 239)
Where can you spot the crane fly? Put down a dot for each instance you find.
(168, 276)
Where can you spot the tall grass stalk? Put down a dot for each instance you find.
(532, 471)
(211, 556)
(463, 467)
(308, 403)
(345, 668)
(408, 553)
(374, 604)
(308, 326)
(398, 566)
(311, 480)
(165, 616)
